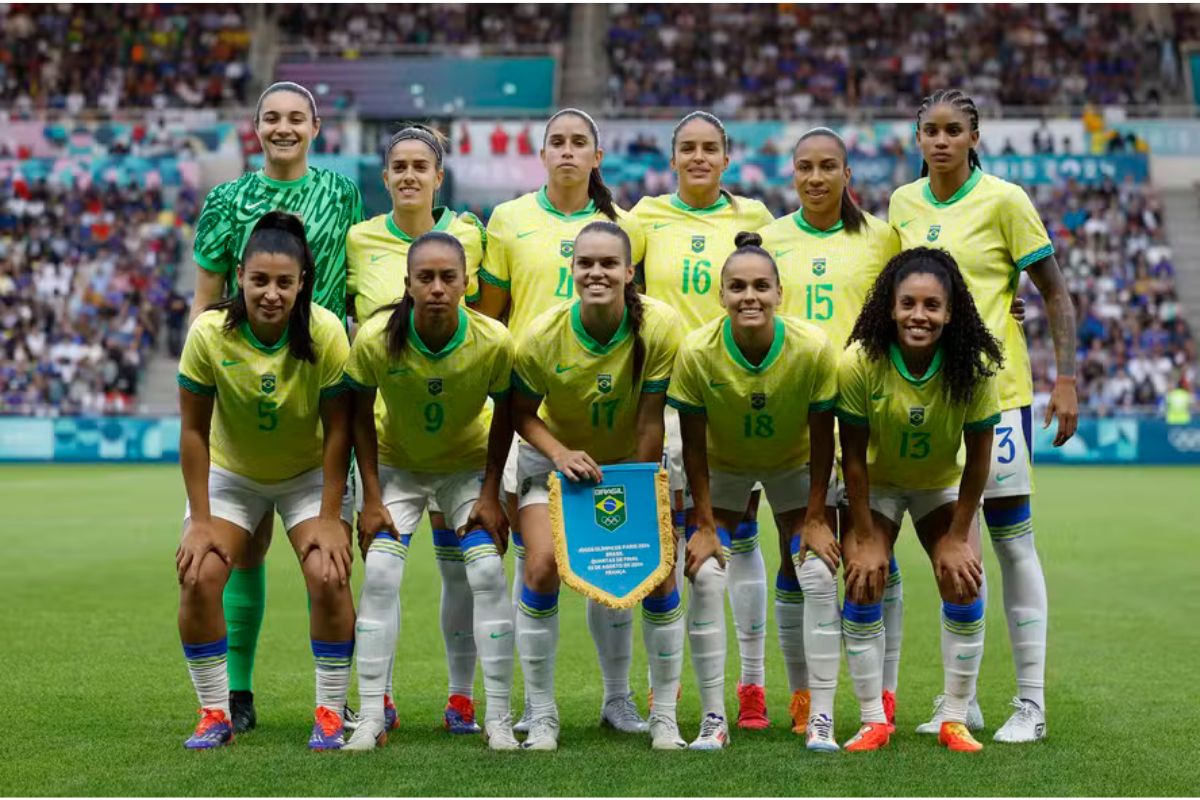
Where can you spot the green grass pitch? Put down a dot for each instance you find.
(99, 703)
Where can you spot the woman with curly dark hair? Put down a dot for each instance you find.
(917, 381)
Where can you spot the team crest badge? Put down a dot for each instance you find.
(758, 401)
(604, 383)
(435, 386)
(566, 248)
(609, 502)
(268, 383)
(818, 266)
(916, 416)
(697, 244)
(934, 232)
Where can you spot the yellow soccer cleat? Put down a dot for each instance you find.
(955, 736)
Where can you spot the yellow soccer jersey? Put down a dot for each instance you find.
(377, 258)
(530, 244)
(686, 248)
(266, 423)
(993, 231)
(757, 415)
(589, 401)
(916, 434)
(826, 275)
(434, 415)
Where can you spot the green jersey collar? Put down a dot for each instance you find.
(274, 184)
(722, 202)
(963, 191)
(735, 352)
(459, 336)
(803, 225)
(585, 338)
(902, 368)
(442, 218)
(259, 346)
(543, 200)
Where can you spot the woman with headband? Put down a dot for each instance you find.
(286, 122)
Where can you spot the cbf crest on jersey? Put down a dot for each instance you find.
(566, 248)
(758, 401)
(268, 383)
(698, 243)
(818, 267)
(916, 416)
(609, 502)
(604, 383)
(435, 386)
(934, 232)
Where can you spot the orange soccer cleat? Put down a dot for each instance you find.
(871, 736)
(801, 700)
(956, 736)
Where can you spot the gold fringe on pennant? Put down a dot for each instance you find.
(666, 541)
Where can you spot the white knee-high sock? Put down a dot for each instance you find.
(333, 661)
(862, 628)
(208, 669)
(789, 617)
(822, 632)
(893, 626)
(706, 632)
(377, 626)
(962, 650)
(662, 634)
(456, 612)
(612, 631)
(1025, 605)
(493, 615)
(537, 642)
(747, 582)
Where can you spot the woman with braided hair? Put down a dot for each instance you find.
(916, 382)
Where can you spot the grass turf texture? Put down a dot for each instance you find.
(95, 675)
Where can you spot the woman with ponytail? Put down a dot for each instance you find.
(527, 270)
(265, 424)
(755, 393)
(433, 364)
(995, 233)
(590, 384)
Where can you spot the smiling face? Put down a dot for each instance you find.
(412, 176)
(600, 268)
(820, 174)
(945, 138)
(286, 127)
(750, 291)
(699, 156)
(570, 151)
(436, 280)
(921, 309)
(270, 282)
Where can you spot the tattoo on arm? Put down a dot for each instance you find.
(1049, 280)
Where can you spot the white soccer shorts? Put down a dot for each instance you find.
(1011, 473)
(892, 502)
(407, 495)
(786, 490)
(245, 502)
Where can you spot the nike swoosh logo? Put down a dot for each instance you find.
(526, 233)
(758, 627)
(875, 397)
(858, 652)
(717, 384)
(398, 370)
(624, 624)
(559, 369)
(375, 258)
(658, 225)
(782, 253)
(501, 635)
(829, 624)
(905, 223)
(703, 623)
(661, 654)
(961, 657)
(1004, 477)
(1027, 622)
(229, 362)
(790, 627)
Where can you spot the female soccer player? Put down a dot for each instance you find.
(761, 388)
(591, 377)
(527, 269)
(376, 253)
(286, 122)
(829, 253)
(916, 383)
(434, 364)
(994, 232)
(269, 363)
(686, 234)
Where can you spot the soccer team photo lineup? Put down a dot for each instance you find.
(616, 409)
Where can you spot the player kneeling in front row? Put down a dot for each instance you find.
(916, 382)
(266, 423)
(435, 364)
(755, 393)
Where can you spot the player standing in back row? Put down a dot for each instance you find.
(994, 233)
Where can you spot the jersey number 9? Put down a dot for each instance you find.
(435, 415)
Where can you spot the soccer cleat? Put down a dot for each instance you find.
(459, 716)
(801, 701)
(368, 734)
(620, 713)
(391, 718)
(214, 730)
(889, 709)
(1027, 724)
(934, 726)
(871, 736)
(664, 734)
(241, 710)
(499, 734)
(752, 707)
(714, 734)
(955, 736)
(522, 725)
(543, 734)
(819, 734)
(328, 733)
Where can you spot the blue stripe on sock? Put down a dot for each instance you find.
(322, 649)
(787, 583)
(795, 545)
(443, 537)
(206, 649)
(1004, 517)
(537, 600)
(971, 612)
(893, 567)
(746, 529)
(862, 614)
(405, 538)
(476, 538)
(661, 605)
(516, 539)
(689, 531)
(678, 518)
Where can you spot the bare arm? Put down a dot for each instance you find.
(651, 430)
(195, 412)
(974, 479)
(492, 300)
(374, 517)
(488, 513)
(1064, 403)
(854, 471)
(335, 457)
(955, 563)
(816, 534)
(704, 543)
(210, 287)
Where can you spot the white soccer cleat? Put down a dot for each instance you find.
(543, 734)
(621, 714)
(369, 733)
(499, 734)
(525, 721)
(664, 734)
(714, 734)
(1027, 724)
(818, 736)
(934, 726)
